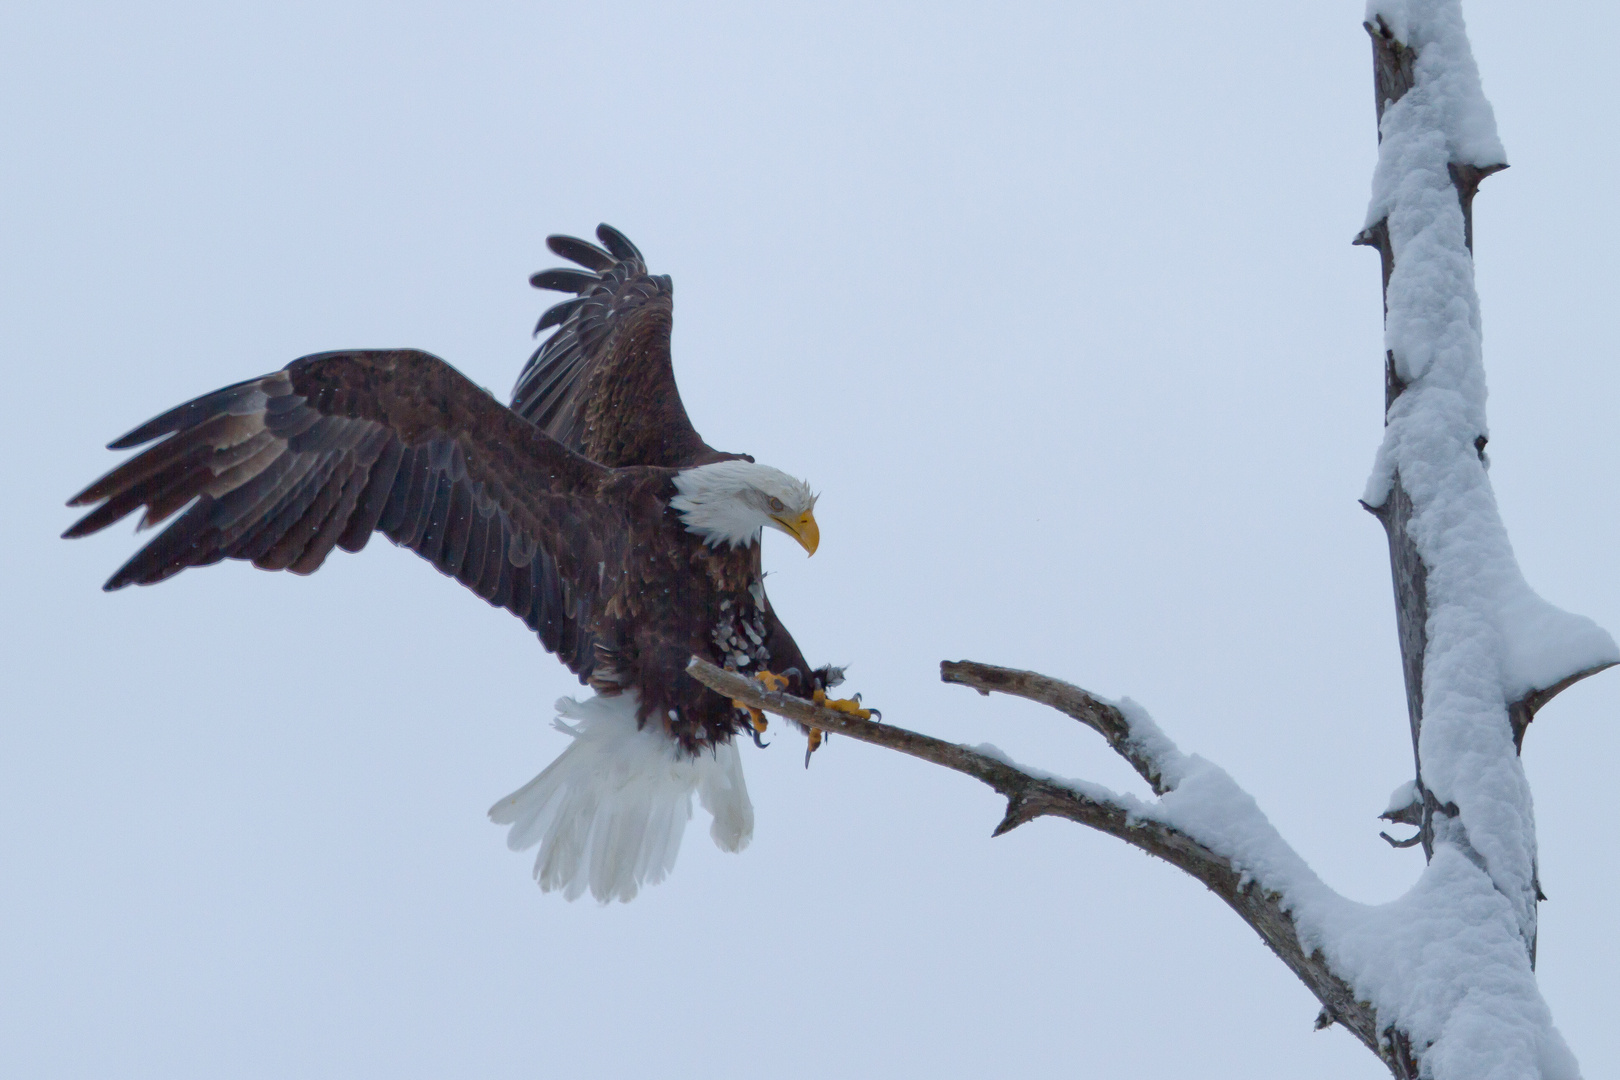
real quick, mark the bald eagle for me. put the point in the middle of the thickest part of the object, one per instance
(591, 509)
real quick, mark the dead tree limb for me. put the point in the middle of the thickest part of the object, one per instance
(1030, 795)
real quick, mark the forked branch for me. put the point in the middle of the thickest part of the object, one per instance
(1031, 795)
(1103, 718)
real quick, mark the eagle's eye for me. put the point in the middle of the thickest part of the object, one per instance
(776, 504)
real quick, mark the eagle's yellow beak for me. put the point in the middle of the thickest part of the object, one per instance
(803, 529)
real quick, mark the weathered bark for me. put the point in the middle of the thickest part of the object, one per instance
(1393, 76)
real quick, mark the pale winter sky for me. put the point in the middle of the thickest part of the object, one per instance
(1057, 308)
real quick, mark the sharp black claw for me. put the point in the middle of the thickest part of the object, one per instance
(807, 753)
(793, 671)
(878, 713)
(757, 742)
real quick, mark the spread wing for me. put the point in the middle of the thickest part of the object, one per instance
(280, 470)
(603, 384)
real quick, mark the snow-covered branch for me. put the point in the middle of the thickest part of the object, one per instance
(1177, 827)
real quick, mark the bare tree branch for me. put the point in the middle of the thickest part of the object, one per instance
(1103, 718)
(1005, 778)
(1524, 710)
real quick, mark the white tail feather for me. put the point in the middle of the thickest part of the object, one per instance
(609, 813)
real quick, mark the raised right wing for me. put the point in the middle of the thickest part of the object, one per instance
(603, 383)
(280, 470)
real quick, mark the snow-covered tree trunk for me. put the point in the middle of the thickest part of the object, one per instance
(1437, 141)
(1440, 982)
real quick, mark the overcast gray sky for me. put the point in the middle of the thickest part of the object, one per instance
(1055, 305)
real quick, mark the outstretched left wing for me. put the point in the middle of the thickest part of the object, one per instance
(280, 470)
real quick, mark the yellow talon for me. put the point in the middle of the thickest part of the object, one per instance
(755, 717)
(770, 680)
(852, 706)
(813, 745)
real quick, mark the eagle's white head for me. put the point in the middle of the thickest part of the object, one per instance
(729, 502)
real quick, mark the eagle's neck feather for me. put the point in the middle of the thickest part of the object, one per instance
(718, 501)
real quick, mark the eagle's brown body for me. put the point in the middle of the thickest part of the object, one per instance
(556, 509)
